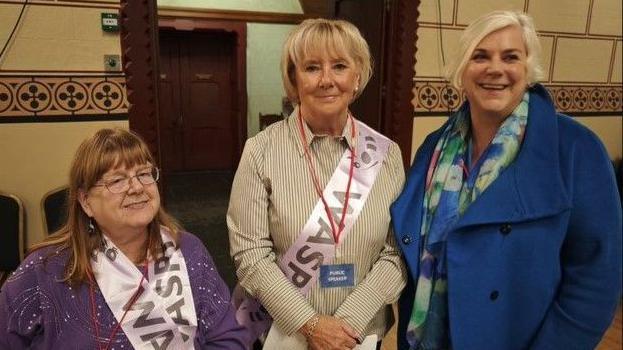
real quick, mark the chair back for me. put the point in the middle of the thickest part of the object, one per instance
(11, 232)
(54, 208)
(267, 119)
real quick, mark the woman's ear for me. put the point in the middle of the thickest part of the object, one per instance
(83, 198)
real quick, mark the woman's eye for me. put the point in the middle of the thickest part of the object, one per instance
(340, 66)
(311, 68)
(116, 180)
(479, 57)
(511, 58)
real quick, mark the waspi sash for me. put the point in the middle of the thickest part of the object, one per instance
(315, 244)
(163, 317)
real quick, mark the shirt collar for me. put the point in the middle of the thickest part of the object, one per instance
(293, 125)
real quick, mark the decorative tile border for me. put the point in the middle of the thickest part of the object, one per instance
(438, 96)
(46, 97)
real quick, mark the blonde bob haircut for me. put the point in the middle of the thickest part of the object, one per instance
(339, 38)
(106, 150)
(486, 25)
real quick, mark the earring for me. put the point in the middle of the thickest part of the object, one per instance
(357, 89)
(91, 226)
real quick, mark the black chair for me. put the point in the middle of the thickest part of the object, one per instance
(267, 119)
(54, 208)
(12, 231)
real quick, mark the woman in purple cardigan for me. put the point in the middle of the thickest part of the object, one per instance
(120, 274)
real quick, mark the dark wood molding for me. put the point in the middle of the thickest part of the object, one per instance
(230, 15)
(139, 46)
(400, 70)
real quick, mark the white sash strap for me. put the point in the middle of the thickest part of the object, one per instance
(164, 315)
(315, 245)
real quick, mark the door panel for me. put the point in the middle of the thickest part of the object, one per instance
(169, 99)
(202, 120)
(370, 18)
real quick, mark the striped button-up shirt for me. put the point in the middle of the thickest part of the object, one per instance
(272, 197)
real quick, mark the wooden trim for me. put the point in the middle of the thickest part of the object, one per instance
(400, 68)
(230, 15)
(139, 46)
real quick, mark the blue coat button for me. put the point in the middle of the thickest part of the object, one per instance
(505, 229)
(406, 239)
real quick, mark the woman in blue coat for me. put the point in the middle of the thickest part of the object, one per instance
(509, 222)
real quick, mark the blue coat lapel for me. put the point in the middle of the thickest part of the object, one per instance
(531, 187)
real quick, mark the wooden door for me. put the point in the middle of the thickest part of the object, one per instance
(389, 26)
(370, 18)
(197, 127)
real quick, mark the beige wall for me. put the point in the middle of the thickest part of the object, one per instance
(57, 45)
(264, 87)
(36, 158)
(581, 56)
(56, 38)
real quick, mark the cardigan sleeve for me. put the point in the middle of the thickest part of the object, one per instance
(590, 284)
(216, 315)
(21, 318)
(387, 277)
(252, 246)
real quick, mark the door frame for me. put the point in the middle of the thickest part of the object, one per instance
(239, 85)
(139, 44)
(140, 26)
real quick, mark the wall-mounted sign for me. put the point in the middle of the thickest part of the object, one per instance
(110, 22)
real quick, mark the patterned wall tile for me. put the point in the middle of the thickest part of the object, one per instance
(439, 97)
(49, 96)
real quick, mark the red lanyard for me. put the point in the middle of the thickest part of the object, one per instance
(336, 232)
(128, 306)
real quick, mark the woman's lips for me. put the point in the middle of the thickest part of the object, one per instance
(136, 205)
(495, 87)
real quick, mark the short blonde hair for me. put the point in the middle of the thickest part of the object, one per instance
(105, 150)
(339, 37)
(486, 25)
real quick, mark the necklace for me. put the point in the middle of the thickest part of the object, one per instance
(336, 232)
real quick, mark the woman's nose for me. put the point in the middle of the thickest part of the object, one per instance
(326, 79)
(495, 66)
(135, 185)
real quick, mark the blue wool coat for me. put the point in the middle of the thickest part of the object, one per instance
(535, 261)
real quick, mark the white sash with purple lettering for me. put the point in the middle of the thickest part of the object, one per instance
(164, 316)
(315, 245)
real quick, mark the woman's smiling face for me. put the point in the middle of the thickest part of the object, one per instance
(326, 84)
(129, 211)
(495, 77)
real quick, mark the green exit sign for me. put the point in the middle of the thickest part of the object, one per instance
(110, 22)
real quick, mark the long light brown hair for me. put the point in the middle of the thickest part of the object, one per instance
(106, 150)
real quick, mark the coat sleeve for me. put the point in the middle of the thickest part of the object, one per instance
(252, 247)
(590, 286)
(386, 279)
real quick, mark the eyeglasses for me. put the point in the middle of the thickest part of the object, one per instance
(121, 184)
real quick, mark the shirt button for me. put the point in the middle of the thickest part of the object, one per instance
(406, 239)
(505, 229)
(494, 295)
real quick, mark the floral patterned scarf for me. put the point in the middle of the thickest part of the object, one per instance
(450, 189)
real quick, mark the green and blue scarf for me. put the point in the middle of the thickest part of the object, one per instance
(450, 190)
